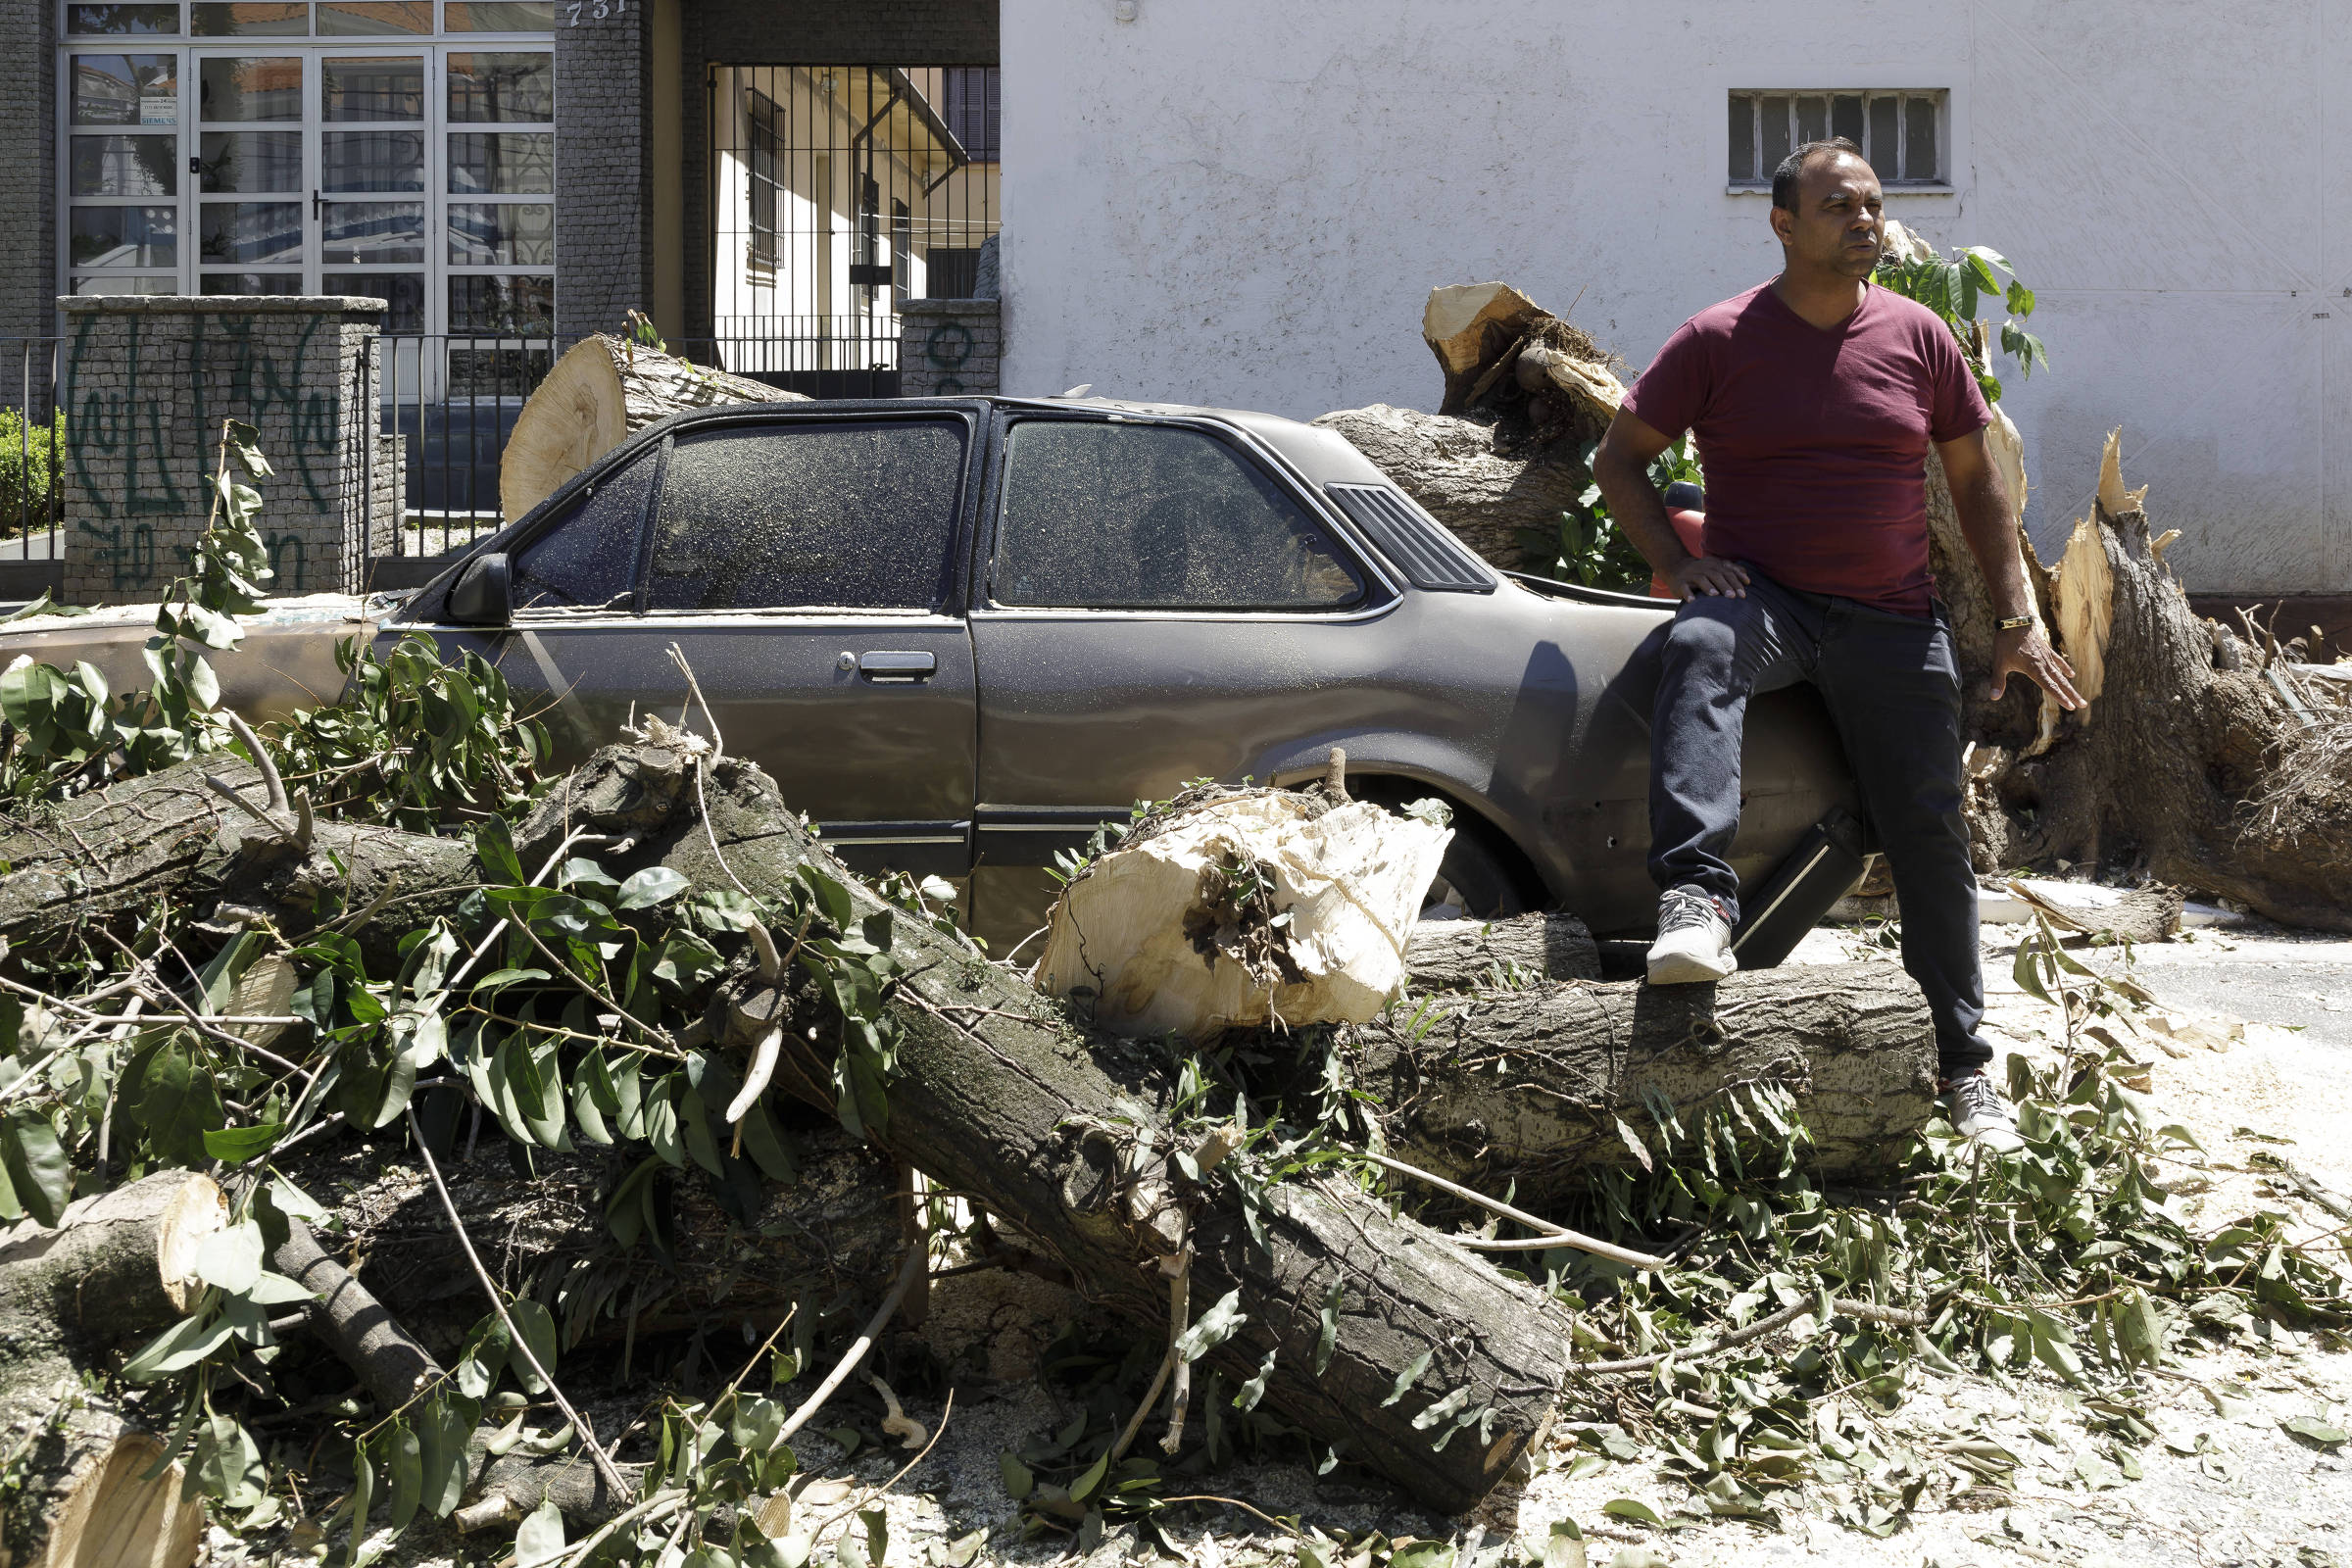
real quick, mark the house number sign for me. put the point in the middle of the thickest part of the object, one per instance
(578, 11)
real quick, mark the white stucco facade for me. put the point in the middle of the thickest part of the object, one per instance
(1241, 203)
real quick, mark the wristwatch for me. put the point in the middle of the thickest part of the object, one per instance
(2013, 623)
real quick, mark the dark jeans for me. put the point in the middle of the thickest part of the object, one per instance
(1893, 689)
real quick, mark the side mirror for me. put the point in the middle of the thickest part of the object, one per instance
(482, 596)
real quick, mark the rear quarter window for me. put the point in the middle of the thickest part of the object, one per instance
(588, 559)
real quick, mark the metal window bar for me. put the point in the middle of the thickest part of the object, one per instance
(32, 452)
(837, 191)
(1900, 134)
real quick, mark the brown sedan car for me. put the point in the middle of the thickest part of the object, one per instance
(963, 632)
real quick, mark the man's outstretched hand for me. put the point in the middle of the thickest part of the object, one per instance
(1708, 575)
(2026, 652)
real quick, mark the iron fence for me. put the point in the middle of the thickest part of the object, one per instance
(31, 450)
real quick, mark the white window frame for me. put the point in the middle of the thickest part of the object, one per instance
(1949, 126)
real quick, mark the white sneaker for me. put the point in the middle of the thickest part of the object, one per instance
(1694, 940)
(1980, 1114)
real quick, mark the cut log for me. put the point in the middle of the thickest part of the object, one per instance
(1491, 498)
(1467, 954)
(1236, 909)
(1526, 1088)
(1468, 326)
(601, 390)
(996, 1097)
(117, 1268)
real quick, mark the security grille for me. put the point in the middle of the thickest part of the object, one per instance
(838, 191)
(1901, 133)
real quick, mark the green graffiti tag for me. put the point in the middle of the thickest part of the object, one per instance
(130, 423)
(290, 557)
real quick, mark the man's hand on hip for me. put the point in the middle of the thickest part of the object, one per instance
(2024, 650)
(1708, 575)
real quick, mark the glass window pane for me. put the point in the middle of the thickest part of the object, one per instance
(589, 559)
(1775, 143)
(1743, 139)
(365, 17)
(123, 237)
(1812, 119)
(214, 18)
(499, 16)
(371, 160)
(1846, 117)
(502, 162)
(111, 283)
(125, 165)
(1884, 137)
(522, 305)
(501, 234)
(125, 89)
(1140, 516)
(501, 86)
(252, 283)
(250, 161)
(786, 516)
(372, 234)
(252, 231)
(119, 21)
(402, 292)
(250, 87)
(371, 87)
(1919, 139)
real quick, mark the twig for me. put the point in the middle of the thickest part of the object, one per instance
(694, 687)
(1561, 1235)
(273, 786)
(2314, 1191)
(917, 1259)
(658, 1506)
(1180, 1307)
(1869, 1311)
(1180, 1284)
(579, 1423)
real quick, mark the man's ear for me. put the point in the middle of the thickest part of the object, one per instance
(1783, 224)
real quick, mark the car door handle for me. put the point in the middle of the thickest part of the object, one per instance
(881, 665)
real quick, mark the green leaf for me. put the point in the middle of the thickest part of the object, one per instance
(1565, 1546)
(1091, 1478)
(37, 1168)
(1212, 1328)
(235, 1145)
(656, 884)
(765, 1145)
(1019, 1481)
(407, 1458)
(694, 1123)
(2326, 1434)
(1328, 1340)
(227, 1464)
(1407, 1377)
(1423, 1554)
(877, 1535)
(231, 1258)
(363, 1496)
(494, 847)
(538, 1331)
(444, 1427)
(540, 1539)
(1633, 1508)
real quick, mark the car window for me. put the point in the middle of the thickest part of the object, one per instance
(792, 514)
(1154, 517)
(589, 559)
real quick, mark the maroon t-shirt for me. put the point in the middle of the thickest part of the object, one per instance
(1815, 442)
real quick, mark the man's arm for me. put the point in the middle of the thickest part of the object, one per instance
(1621, 468)
(1986, 519)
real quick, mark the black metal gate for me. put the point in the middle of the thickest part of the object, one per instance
(837, 191)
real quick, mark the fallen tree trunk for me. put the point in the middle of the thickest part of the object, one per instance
(117, 1269)
(996, 1097)
(1466, 954)
(170, 835)
(1528, 1088)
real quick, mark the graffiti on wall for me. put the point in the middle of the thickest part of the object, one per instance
(945, 350)
(142, 415)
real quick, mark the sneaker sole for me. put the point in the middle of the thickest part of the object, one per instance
(1688, 970)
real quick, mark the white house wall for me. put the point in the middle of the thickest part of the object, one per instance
(1227, 202)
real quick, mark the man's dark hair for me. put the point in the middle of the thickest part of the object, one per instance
(1793, 168)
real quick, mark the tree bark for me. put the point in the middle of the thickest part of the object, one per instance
(1466, 473)
(1465, 954)
(1526, 1088)
(117, 1269)
(997, 1097)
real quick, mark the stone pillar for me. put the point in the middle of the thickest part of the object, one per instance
(948, 347)
(604, 197)
(146, 382)
(28, 279)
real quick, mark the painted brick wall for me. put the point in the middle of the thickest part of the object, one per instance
(147, 380)
(801, 32)
(948, 347)
(27, 170)
(604, 196)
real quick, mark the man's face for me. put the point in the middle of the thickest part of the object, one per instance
(1839, 223)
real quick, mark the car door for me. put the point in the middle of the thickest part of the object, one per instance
(1161, 606)
(806, 569)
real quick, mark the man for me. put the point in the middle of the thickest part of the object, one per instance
(1815, 398)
